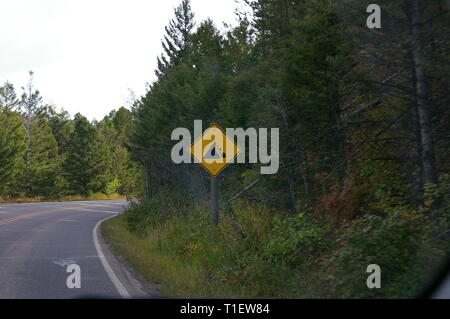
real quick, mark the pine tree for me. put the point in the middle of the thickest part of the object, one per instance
(12, 150)
(100, 161)
(31, 101)
(177, 39)
(405, 86)
(88, 164)
(44, 162)
(8, 97)
(117, 128)
(77, 168)
(61, 125)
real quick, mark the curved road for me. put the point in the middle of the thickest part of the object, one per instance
(38, 241)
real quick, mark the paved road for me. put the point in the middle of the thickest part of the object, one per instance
(38, 241)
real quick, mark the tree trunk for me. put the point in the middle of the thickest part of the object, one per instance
(423, 107)
(292, 191)
(418, 174)
(148, 188)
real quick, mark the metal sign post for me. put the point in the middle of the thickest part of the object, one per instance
(214, 150)
(215, 200)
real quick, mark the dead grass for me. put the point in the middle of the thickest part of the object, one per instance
(68, 198)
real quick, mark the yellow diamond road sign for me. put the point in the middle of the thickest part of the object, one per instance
(214, 150)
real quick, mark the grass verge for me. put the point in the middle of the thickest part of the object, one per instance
(170, 278)
(184, 255)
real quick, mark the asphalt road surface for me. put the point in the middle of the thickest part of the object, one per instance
(40, 241)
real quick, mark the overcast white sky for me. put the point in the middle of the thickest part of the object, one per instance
(87, 54)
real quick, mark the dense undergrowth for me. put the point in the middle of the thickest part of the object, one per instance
(257, 251)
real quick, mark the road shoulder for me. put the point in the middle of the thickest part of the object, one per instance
(134, 283)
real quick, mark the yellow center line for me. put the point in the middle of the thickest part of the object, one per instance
(13, 219)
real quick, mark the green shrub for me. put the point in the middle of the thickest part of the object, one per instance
(391, 242)
(155, 212)
(297, 239)
(112, 187)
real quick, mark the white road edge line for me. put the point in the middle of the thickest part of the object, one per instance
(119, 286)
